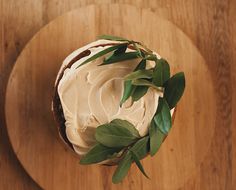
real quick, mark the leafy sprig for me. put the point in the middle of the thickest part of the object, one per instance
(120, 139)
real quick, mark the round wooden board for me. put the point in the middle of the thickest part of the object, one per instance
(29, 94)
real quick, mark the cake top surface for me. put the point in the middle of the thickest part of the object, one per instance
(90, 96)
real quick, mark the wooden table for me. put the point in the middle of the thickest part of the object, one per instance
(209, 24)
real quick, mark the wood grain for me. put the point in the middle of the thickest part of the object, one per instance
(30, 88)
(204, 21)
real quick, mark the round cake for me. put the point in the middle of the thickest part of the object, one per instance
(108, 90)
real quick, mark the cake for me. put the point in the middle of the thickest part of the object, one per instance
(110, 96)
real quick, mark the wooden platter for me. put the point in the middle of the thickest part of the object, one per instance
(30, 123)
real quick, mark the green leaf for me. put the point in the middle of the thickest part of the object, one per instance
(174, 89)
(156, 138)
(122, 169)
(138, 163)
(110, 37)
(112, 135)
(161, 72)
(141, 147)
(163, 117)
(127, 125)
(139, 92)
(147, 74)
(97, 154)
(143, 82)
(101, 53)
(121, 50)
(121, 57)
(128, 88)
(115, 155)
(141, 65)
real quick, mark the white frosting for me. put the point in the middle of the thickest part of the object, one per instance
(90, 96)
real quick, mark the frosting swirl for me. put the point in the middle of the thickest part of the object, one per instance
(90, 96)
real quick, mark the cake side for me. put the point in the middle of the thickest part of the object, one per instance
(56, 103)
